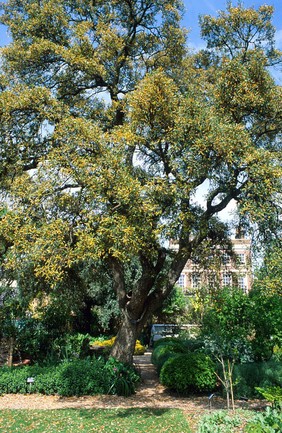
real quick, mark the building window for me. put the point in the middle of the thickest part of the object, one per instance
(181, 281)
(225, 259)
(242, 283)
(196, 280)
(241, 258)
(227, 279)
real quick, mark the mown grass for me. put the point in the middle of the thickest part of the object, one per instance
(96, 420)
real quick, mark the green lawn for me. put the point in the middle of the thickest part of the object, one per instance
(99, 420)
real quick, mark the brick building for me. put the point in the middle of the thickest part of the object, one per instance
(232, 270)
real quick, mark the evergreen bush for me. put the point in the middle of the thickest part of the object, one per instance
(191, 372)
(165, 341)
(256, 374)
(83, 377)
(165, 351)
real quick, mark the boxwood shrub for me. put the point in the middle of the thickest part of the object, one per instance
(166, 340)
(191, 372)
(165, 351)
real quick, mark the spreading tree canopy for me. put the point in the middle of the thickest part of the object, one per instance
(109, 125)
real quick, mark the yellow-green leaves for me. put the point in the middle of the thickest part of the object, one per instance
(238, 30)
(154, 105)
(108, 128)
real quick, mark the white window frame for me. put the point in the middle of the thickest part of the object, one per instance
(226, 259)
(226, 279)
(195, 280)
(181, 281)
(241, 258)
(242, 283)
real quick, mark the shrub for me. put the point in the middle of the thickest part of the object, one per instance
(190, 344)
(272, 394)
(14, 380)
(47, 380)
(277, 353)
(257, 374)
(83, 377)
(165, 351)
(77, 377)
(123, 377)
(139, 348)
(191, 372)
(71, 346)
(165, 341)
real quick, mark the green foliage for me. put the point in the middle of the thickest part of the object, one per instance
(166, 350)
(71, 346)
(123, 378)
(175, 308)
(188, 373)
(88, 199)
(272, 393)
(269, 421)
(45, 343)
(14, 380)
(219, 422)
(166, 340)
(76, 377)
(277, 353)
(256, 374)
(83, 377)
(227, 325)
(266, 319)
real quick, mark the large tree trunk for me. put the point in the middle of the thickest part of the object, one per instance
(123, 348)
(138, 306)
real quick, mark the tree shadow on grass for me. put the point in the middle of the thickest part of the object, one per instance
(124, 412)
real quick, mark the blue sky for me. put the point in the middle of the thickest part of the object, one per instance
(210, 7)
(196, 7)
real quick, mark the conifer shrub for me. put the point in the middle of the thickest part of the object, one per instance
(190, 372)
(256, 374)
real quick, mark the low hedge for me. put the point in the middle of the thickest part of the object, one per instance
(191, 372)
(77, 377)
